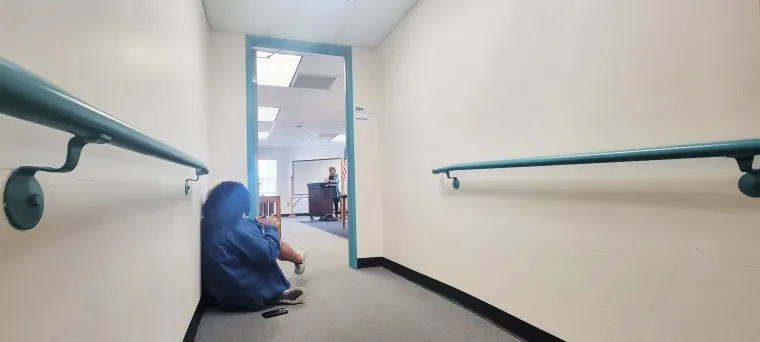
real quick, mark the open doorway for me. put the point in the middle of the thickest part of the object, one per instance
(301, 128)
(300, 134)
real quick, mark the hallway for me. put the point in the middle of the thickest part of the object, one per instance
(349, 305)
(580, 171)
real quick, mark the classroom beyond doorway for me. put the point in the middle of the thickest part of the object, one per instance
(251, 44)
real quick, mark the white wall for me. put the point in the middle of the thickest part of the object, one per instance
(227, 107)
(658, 251)
(285, 158)
(369, 207)
(116, 256)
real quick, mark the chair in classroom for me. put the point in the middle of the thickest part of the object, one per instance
(270, 206)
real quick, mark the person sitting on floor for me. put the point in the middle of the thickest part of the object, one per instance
(239, 268)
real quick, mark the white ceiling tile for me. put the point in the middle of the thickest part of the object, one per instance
(316, 111)
(355, 23)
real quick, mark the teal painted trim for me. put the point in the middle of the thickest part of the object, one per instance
(731, 149)
(352, 246)
(304, 47)
(28, 97)
(324, 49)
(251, 127)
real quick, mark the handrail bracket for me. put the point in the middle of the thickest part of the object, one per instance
(749, 183)
(187, 184)
(454, 180)
(23, 199)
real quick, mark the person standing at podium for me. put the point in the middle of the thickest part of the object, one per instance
(334, 180)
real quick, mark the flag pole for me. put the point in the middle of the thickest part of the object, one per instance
(343, 164)
(343, 183)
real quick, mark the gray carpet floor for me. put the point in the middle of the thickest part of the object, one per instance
(332, 227)
(343, 304)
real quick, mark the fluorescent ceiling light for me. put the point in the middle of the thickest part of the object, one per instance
(263, 135)
(276, 69)
(339, 138)
(268, 113)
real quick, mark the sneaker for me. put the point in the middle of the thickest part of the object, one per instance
(292, 296)
(300, 268)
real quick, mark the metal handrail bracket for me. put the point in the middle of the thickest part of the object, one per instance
(28, 97)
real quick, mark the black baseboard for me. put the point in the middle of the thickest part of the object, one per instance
(370, 262)
(195, 322)
(512, 324)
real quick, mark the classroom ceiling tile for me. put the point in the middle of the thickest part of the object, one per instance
(304, 116)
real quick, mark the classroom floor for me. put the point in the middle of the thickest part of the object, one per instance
(332, 227)
(350, 305)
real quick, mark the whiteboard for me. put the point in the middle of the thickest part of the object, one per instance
(312, 171)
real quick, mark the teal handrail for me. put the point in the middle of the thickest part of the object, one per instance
(28, 97)
(743, 151)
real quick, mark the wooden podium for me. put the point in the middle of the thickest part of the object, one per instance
(320, 199)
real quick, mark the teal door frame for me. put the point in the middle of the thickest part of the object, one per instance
(252, 122)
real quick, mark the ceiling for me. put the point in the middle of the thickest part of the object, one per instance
(320, 113)
(363, 23)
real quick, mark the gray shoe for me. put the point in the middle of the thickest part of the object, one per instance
(292, 296)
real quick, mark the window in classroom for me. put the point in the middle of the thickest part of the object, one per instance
(268, 177)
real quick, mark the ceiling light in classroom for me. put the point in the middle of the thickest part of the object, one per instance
(276, 69)
(268, 113)
(339, 138)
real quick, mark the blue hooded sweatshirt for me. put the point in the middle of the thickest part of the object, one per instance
(238, 260)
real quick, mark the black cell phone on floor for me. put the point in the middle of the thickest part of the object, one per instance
(274, 313)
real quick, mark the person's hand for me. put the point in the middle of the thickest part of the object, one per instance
(273, 221)
(262, 219)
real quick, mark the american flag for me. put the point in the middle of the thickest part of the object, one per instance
(344, 173)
